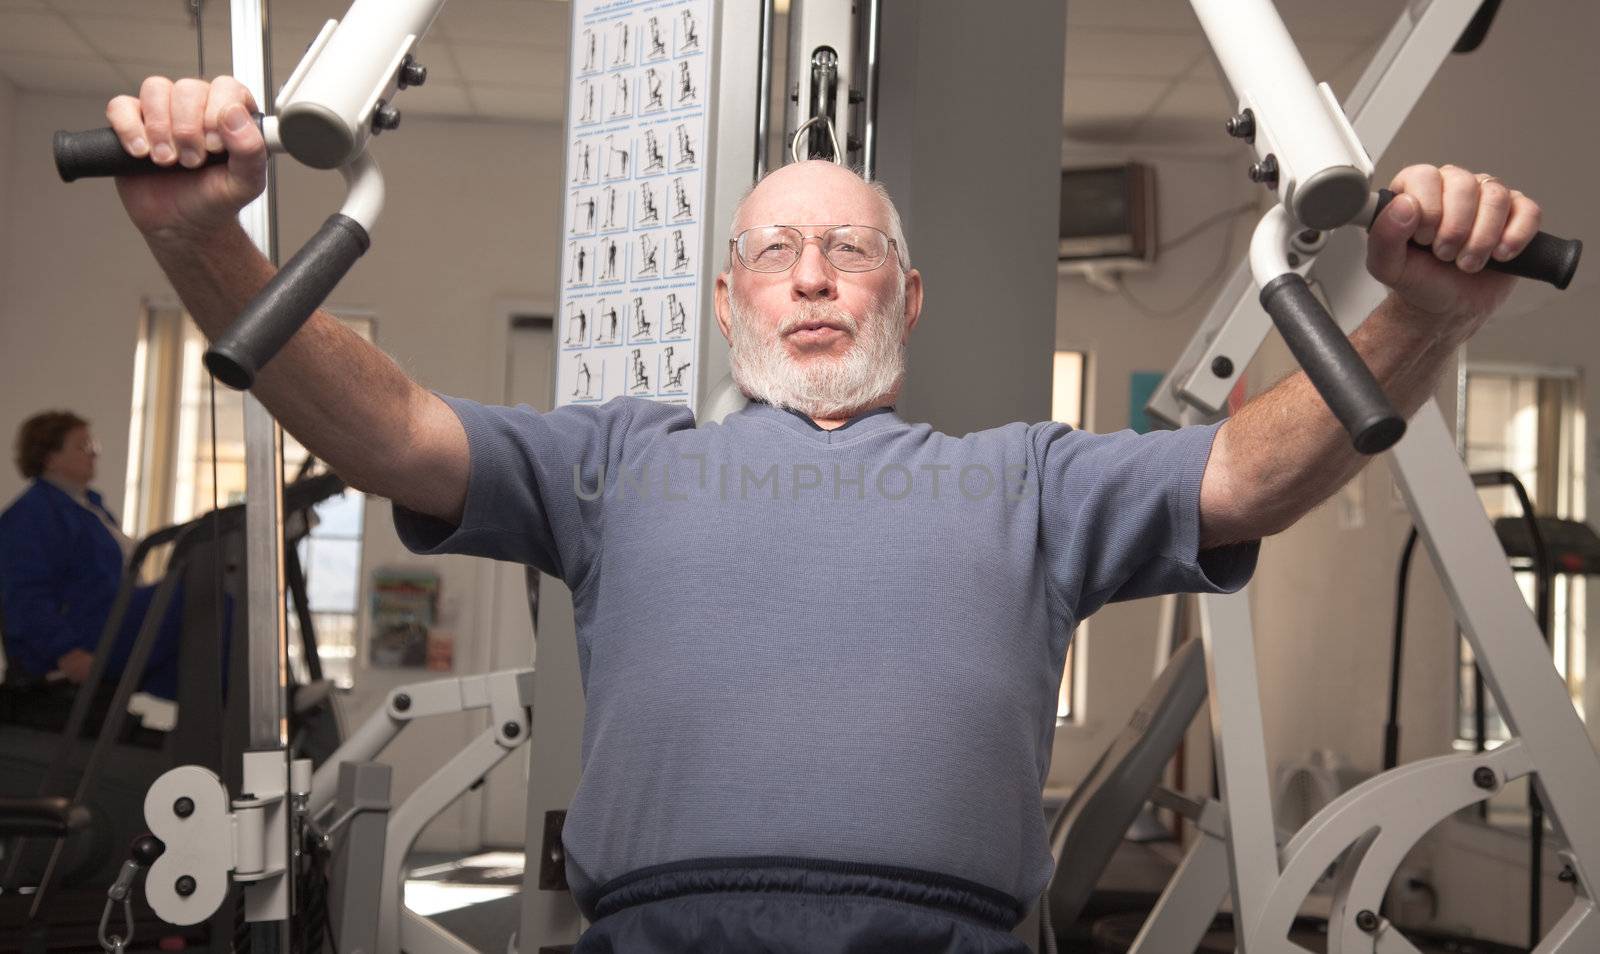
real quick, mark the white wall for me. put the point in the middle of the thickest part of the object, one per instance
(8, 105)
(471, 221)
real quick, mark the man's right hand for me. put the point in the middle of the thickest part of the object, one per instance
(388, 436)
(175, 125)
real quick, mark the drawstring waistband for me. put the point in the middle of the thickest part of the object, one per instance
(803, 876)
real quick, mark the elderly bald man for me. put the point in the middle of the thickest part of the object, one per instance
(820, 644)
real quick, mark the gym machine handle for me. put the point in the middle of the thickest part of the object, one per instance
(1546, 259)
(98, 152)
(1332, 364)
(279, 309)
(288, 300)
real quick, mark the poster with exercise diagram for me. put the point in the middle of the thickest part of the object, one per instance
(630, 275)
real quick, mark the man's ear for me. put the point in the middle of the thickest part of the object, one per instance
(913, 301)
(724, 308)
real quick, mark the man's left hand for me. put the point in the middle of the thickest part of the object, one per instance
(1467, 219)
(75, 665)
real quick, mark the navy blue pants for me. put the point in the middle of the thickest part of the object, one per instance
(787, 906)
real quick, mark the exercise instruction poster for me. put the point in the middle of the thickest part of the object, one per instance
(630, 274)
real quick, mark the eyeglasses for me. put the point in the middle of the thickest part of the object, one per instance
(775, 248)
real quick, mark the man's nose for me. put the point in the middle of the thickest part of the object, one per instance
(813, 277)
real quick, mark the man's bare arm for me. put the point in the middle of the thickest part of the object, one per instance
(344, 399)
(1283, 452)
(341, 397)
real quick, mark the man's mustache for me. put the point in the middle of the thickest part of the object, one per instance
(816, 313)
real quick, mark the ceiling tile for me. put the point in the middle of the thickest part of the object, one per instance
(534, 22)
(435, 98)
(436, 54)
(1346, 78)
(1095, 97)
(130, 38)
(510, 65)
(140, 47)
(1094, 52)
(41, 34)
(1205, 98)
(1166, 15)
(1325, 58)
(1102, 109)
(173, 11)
(509, 102)
(46, 74)
(301, 19)
(1191, 113)
(1307, 20)
(1347, 19)
(289, 45)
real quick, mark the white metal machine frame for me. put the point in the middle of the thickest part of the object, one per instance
(1380, 820)
(211, 838)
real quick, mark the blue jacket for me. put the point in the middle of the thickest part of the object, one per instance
(59, 571)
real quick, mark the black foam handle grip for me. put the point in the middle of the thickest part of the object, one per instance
(287, 301)
(98, 152)
(1331, 362)
(1547, 258)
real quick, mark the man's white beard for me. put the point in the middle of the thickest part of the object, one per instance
(822, 386)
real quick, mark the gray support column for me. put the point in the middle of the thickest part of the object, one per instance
(970, 148)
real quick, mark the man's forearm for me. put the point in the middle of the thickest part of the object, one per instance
(345, 400)
(1284, 452)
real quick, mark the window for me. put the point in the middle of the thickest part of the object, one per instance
(170, 468)
(1528, 421)
(1066, 406)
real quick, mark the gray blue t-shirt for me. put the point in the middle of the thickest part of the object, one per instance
(841, 645)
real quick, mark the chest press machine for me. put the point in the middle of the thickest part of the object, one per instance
(341, 95)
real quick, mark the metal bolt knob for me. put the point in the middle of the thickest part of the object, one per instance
(184, 886)
(1366, 921)
(412, 73)
(1265, 172)
(146, 849)
(183, 807)
(385, 117)
(1483, 776)
(1242, 126)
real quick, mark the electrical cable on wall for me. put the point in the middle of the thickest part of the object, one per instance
(1208, 284)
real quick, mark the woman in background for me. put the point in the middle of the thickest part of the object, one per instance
(62, 556)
